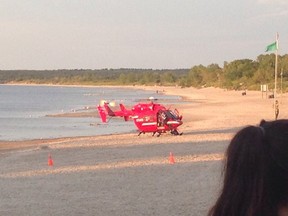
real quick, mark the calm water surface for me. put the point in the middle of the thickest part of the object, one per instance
(23, 110)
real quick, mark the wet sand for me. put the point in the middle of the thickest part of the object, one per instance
(129, 175)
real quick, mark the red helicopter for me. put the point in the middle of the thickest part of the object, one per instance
(148, 117)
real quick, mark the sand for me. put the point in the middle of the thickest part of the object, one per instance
(128, 175)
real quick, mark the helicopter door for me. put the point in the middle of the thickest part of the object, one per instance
(161, 117)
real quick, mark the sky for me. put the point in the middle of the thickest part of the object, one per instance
(146, 34)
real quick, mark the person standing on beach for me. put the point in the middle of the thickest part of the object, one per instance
(276, 109)
(256, 172)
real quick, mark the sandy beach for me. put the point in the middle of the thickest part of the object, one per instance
(127, 175)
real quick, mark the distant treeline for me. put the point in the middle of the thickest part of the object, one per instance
(238, 74)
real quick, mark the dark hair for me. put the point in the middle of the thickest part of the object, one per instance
(255, 172)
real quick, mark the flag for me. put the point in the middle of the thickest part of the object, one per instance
(271, 47)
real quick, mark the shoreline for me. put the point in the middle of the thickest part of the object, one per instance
(11, 145)
(195, 98)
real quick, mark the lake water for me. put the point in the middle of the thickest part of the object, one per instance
(23, 110)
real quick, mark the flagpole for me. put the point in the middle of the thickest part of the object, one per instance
(281, 82)
(275, 84)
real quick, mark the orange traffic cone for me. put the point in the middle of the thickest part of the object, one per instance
(171, 158)
(50, 160)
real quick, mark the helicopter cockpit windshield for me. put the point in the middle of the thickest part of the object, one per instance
(172, 115)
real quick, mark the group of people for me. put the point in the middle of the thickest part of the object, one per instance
(255, 181)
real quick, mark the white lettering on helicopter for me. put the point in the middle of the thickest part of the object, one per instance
(150, 123)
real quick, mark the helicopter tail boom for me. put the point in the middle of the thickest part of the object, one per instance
(126, 113)
(106, 110)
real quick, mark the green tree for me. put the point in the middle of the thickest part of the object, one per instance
(266, 69)
(238, 72)
(195, 75)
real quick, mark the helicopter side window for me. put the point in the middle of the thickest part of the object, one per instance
(163, 115)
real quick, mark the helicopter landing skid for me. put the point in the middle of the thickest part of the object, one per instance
(176, 132)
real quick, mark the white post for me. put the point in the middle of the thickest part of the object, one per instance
(281, 82)
(275, 84)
